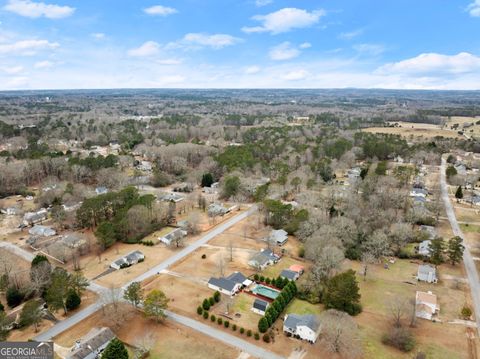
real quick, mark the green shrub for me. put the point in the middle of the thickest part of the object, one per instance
(211, 300)
(256, 277)
(199, 310)
(213, 317)
(219, 321)
(204, 256)
(267, 281)
(400, 338)
(266, 338)
(14, 297)
(242, 330)
(205, 314)
(256, 336)
(73, 300)
(234, 327)
(226, 324)
(206, 304)
(216, 296)
(249, 333)
(262, 278)
(466, 312)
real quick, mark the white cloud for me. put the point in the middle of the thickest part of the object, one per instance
(260, 3)
(98, 35)
(172, 79)
(160, 10)
(13, 70)
(474, 8)
(170, 62)
(369, 49)
(351, 34)
(43, 64)
(250, 70)
(32, 9)
(285, 20)
(27, 47)
(215, 41)
(296, 75)
(17, 82)
(432, 63)
(305, 45)
(284, 51)
(149, 48)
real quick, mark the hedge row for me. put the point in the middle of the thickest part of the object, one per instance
(277, 306)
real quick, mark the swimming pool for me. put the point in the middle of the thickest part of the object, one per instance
(266, 291)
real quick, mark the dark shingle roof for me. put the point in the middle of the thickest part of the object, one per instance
(289, 274)
(223, 283)
(260, 304)
(237, 277)
(309, 320)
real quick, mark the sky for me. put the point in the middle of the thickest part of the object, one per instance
(395, 44)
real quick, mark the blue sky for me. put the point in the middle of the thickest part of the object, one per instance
(418, 44)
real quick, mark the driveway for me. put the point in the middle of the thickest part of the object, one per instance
(17, 251)
(468, 262)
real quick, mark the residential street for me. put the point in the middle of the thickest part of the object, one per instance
(470, 267)
(17, 251)
(253, 350)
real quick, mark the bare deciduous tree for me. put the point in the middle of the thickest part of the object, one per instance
(340, 334)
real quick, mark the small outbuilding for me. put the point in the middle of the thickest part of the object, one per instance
(259, 306)
(427, 273)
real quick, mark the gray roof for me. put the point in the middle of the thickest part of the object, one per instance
(133, 256)
(94, 340)
(279, 235)
(420, 191)
(309, 320)
(223, 283)
(260, 304)
(289, 274)
(264, 257)
(42, 231)
(176, 233)
(237, 277)
(425, 269)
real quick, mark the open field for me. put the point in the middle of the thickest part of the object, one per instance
(382, 287)
(457, 123)
(407, 129)
(170, 340)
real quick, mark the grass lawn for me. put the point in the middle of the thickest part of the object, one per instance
(469, 228)
(298, 306)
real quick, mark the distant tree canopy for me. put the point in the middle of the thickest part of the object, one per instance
(382, 147)
(94, 162)
(337, 148)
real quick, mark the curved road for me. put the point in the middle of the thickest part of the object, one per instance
(468, 262)
(228, 339)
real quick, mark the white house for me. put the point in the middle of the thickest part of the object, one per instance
(426, 305)
(424, 248)
(305, 327)
(427, 273)
(10, 211)
(259, 306)
(263, 259)
(278, 236)
(418, 192)
(101, 190)
(173, 236)
(44, 231)
(31, 218)
(128, 260)
(224, 285)
(171, 197)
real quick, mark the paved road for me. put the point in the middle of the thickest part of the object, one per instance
(65, 324)
(194, 246)
(221, 335)
(83, 314)
(468, 262)
(17, 250)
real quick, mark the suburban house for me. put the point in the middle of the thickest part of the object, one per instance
(424, 248)
(297, 268)
(426, 306)
(173, 236)
(31, 218)
(289, 274)
(92, 344)
(10, 211)
(427, 273)
(224, 285)
(259, 306)
(101, 190)
(171, 197)
(216, 209)
(74, 240)
(278, 236)
(128, 260)
(239, 278)
(263, 259)
(418, 192)
(305, 327)
(44, 231)
(212, 189)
